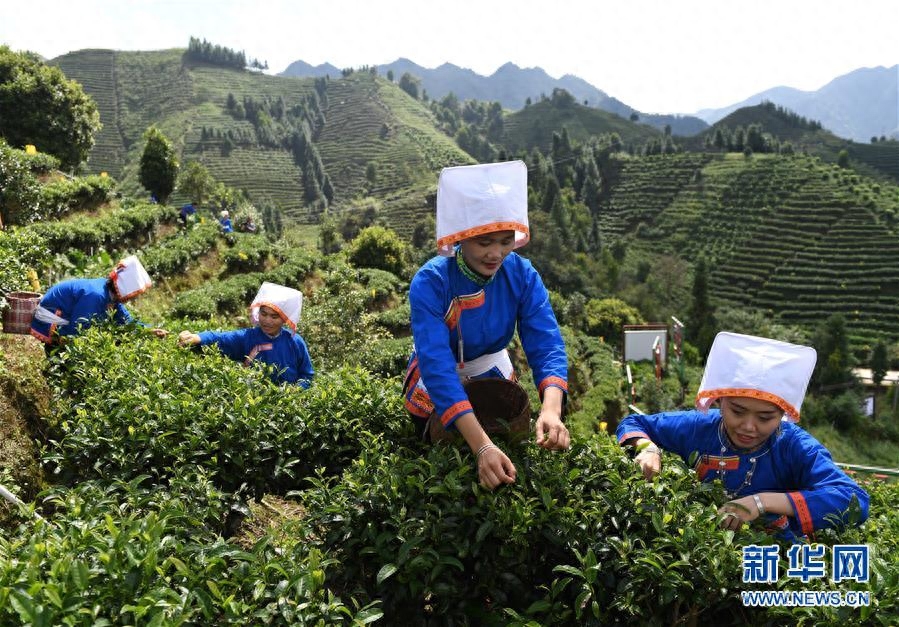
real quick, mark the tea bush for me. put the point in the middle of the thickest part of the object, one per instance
(134, 553)
(129, 404)
(174, 254)
(580, 538)
(247, 253)
(113, 231)
(63, 195)
(21, 250)
(235, 293)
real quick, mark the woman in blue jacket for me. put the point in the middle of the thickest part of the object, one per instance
(74, 305)
(772, 469)
(465, 307)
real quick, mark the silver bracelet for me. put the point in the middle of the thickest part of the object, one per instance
(759, 505)
(484, 447)
(652, 447)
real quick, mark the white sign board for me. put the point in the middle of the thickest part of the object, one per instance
(639, 343)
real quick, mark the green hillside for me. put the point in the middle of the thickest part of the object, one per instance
(877, 160)
(361, 120)
(789, 235)
(534, 125)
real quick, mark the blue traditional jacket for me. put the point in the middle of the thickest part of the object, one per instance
(81, 302)
(287, 352)
(792, 461)
(450, 310)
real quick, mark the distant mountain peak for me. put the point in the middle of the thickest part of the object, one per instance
(513, 86)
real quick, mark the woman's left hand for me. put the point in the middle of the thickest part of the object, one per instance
(737, 512)
(552, 434)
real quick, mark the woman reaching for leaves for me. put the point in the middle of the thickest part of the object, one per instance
(772, 469)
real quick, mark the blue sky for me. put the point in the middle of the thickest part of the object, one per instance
(675, 56)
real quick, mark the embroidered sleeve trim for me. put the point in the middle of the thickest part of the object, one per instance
(553, 381)
(803, 513)
(630, 435)
(452, 414)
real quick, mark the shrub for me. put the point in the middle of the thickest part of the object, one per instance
(206, 412)
(137, 553)
(381, 248)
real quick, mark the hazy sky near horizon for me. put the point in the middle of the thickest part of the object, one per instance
(658, 56)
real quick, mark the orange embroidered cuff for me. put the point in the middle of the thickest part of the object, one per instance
(803, 514)
(43, 338)
(557, 382)
(452, 414)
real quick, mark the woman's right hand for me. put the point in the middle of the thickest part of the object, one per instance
(650, 461)
(495, 468)
(188, 338)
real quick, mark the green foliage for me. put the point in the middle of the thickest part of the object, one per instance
(195, 182)
(174, 254)
(23, 199)
(21, 250)
(337, 324)
(380, 286)
(411, 85)
(879, 362)
(208, 412)
(158, 164)
(19, 188)
(842, 411)
(833, 369)
(207, 52)
(577, 539)
(247, 253)
(41, 107)
(605, 317)
(234, 293)
(380, 248)
(137, 553)
(701, 323)
(60, 196)
(113, 231)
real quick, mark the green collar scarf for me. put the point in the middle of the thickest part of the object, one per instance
(470, 274)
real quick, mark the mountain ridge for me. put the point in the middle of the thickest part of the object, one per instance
(512, 86)
(836, 105)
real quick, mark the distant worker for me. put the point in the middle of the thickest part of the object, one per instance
(268, 342)
(186, 214)
(248, 225)
(225, 222)
(72, 306)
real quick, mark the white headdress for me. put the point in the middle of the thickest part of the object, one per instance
(757, 367)
(287, 301)
(129, 278)
(476, 199)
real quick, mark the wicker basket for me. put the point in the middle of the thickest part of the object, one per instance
(501, 406)
(19, 311)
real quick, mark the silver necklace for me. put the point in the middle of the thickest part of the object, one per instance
(747, 480)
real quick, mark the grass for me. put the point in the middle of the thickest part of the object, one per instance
(856, 448)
